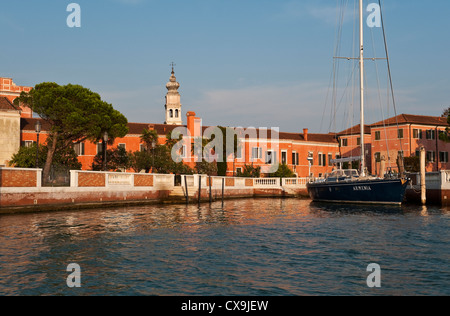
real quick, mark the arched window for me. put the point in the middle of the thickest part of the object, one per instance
(171, 113)
(176, 113)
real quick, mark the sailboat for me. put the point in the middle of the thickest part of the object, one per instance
(357, 186)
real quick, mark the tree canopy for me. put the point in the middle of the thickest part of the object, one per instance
(75, 114)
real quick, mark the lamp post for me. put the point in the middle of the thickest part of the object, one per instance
(37, 128)
(105, 140)
(310, 159)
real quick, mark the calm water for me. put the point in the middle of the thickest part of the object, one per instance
(249, 247)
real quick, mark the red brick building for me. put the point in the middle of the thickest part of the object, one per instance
(11, 91)
(406, 134)
(303, 152)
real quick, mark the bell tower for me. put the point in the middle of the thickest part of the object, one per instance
(173, 103)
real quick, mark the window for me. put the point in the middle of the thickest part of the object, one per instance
(344, 142)
(28, 143)
(431, 156)
(183, 152)
(417, 133)
(238, 170)
(431, 134)
(176, 113)
(295, 158)
(142, 147)
(322, 160)
(171, 113)
(99, 148)
(271, 157)
(124, 146)
(400, 134)
(358, 141)
(443, 156)
(239, 153)
(377, 157)
(377, 135)
(284, 157)
(79, 149)
(256, 153)
(330, 157)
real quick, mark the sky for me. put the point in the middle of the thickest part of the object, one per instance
(259, 63)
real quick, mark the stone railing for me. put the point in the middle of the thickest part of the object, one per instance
(85, 179)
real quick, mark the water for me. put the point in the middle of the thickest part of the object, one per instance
(256, 247)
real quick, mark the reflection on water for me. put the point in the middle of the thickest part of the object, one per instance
(249, 247)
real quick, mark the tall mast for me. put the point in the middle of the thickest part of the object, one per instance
(361, 67)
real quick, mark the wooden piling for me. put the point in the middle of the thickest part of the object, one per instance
(423, 187)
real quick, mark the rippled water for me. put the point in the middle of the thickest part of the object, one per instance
(249, 247)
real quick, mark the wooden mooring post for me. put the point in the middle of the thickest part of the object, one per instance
(423, 186)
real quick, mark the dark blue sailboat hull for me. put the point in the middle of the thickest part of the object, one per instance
(377, 191)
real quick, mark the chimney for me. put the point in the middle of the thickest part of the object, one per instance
(193, 124)
(305, 134)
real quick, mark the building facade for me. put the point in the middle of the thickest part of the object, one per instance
(405, 135)
(306, 154)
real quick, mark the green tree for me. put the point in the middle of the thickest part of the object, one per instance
(140, 160)
(150, 139)
(26, 157)
(249, 172)
(282, 172)
(229, 146)
(117, 159)
(64, 158)
(205, 167)
(75, 114)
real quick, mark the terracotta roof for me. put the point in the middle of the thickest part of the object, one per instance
(413, 119)
(162, 129)
(355, 130)
(6, 105)
(27, 124)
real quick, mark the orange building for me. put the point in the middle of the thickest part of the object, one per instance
(11, 91)
(263, 151)
(406, 134)
(350, 143)
(304, 153)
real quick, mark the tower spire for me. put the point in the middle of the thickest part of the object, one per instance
(173, 104)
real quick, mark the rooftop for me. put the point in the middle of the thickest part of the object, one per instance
(413, 119)
(6, 105)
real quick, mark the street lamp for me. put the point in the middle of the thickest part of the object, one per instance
(105, 140)
(37, 128)
(310, 160)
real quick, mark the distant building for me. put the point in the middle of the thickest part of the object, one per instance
(11, 91)
(9, 130)
(350, 144)
(303, 152)
(406, 134)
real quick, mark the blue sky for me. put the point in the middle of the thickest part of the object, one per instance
(261, 63)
